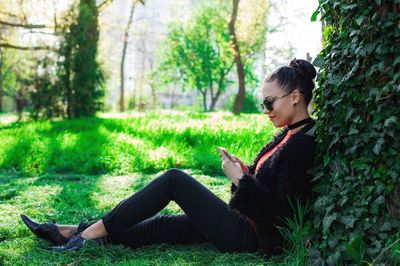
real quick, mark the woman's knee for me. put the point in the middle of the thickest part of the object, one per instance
(175, 174)
(173, 171)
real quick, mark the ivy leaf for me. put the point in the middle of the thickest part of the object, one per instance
(318, 61)
(314, 15)
(326, 160)
(378, 146)
(379, 200)
(328, 220)
(356, 249)
(359, 20)
(353, 131)
(348, 221)
(391, 119)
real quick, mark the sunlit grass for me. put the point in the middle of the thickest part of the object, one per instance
(75, 170)
(147, 143)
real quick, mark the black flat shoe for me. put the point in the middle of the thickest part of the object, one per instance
(76, 242)
(45, 231)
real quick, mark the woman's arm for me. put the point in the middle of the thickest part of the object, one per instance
(265, 204)
(250, 171)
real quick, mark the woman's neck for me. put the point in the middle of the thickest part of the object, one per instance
(297, 129)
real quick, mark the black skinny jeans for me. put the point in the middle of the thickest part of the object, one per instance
(134, 221)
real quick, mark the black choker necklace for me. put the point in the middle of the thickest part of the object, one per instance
(300, 123)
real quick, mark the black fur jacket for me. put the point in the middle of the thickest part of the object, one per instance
(285, 174)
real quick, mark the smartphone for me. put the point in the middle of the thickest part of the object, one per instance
(223, 150)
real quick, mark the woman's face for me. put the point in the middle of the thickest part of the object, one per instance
(283, 111)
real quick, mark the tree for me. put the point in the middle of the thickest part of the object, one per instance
(88, 77)
(198, 54)
(79, 78)
(247, 29)
(239, 100)
(357, 213)
(122, 67)
(124, 49)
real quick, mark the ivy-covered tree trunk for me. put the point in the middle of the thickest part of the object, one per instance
(87, 79)
(357, 105)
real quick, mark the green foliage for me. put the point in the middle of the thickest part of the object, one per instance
(198, 54)
(297, 232)
(45, 97)
(87, 78)
(77, 89)
(250, 105)
(357, 105)
(8, 77)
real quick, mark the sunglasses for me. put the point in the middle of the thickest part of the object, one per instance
(268, 103)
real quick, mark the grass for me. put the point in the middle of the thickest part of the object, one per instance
(141, 143)
(76, 170)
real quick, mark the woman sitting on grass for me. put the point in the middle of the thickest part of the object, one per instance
(260, 191)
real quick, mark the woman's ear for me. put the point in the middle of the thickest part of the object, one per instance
(296, 97)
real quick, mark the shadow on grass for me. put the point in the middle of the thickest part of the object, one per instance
(100, 145)
(74, 203)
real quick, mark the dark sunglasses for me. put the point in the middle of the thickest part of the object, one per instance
(268, 102)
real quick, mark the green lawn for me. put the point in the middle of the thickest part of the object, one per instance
(76, 170)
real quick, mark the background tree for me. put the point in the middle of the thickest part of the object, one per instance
(198, 55)
(79, 75)
(123, 58)
(247, 29)
(201, 53)
(239, 100)
(79, 85)
(88, 77)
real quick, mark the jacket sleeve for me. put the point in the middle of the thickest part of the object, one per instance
(251, 168)
(265, 204)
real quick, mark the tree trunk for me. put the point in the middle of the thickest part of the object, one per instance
(239, 100)
(172, 105)
(69, 92)
(152, 86)
(211, 97)
(1, 81)
(142, 76)
(67, 79)
(122, 67)
(215, 99)
(1, 96)
(204, 93)
(87, 75)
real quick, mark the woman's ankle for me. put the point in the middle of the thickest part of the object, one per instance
(66, 230)
(96, 230)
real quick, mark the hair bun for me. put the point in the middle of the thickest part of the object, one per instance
(304, 67)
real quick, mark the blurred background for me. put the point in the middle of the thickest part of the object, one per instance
(73, 58)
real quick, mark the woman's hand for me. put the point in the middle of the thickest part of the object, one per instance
(242, 165)
(245, 169)
(232, 170)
